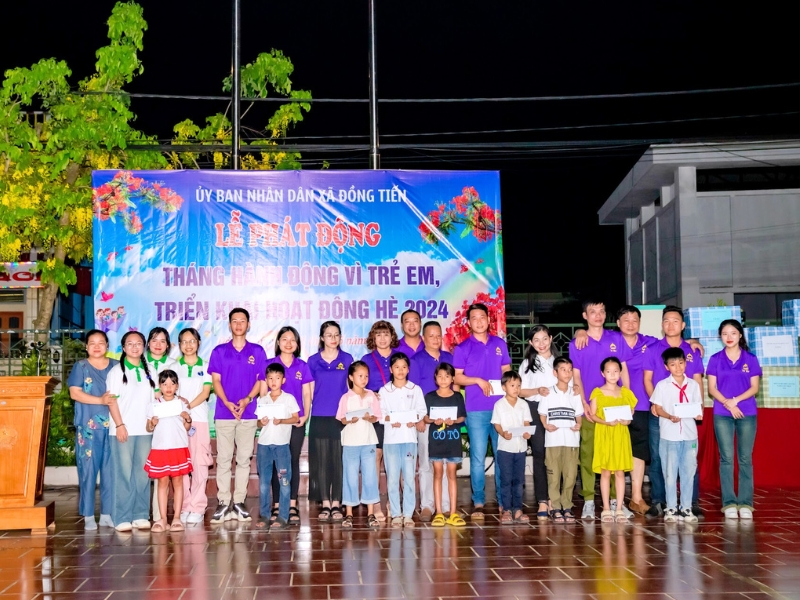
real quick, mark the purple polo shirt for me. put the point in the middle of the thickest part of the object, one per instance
(636, 369)
(238, 371)
(423, 367)
(653, 361)
(589, 359)
(481, 360)
(377, 364)
(297, 374)
(408, 350)
(733, 378)
(330, 382)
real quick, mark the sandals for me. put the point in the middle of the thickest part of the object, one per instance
(408, 522)
(273, 515)
(606, 516)
(558, 516)
(477, 514)
(569, 516)
(439, 520)
(294, 515)
(336, 514)
(278, 524)
(455, 520)
(620, 517)
(176, 526)
(263, 525)
(506, 519)
(347, 522)
(324, 515)
(543, 515)
(380, 516)
(397, 523)
(157, 528)
(521, 517)
(372, 522)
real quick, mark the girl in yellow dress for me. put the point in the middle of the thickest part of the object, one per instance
(612, 441)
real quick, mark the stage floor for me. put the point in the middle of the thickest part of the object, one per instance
(646, 559)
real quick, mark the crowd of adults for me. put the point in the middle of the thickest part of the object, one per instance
(115, 444)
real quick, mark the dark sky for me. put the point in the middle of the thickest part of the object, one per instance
(437, 49)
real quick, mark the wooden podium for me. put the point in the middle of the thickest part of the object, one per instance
(24, 425)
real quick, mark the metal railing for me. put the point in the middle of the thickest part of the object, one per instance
(44, 352)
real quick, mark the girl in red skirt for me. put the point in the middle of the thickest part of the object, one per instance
(169, 457)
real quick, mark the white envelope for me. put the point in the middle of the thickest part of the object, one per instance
(358, 413)
(497, 389)
(520, 431)
(271, 410)
(403, 416)
(443, 412)
(173, 408)
(618, 413)
(686, 410)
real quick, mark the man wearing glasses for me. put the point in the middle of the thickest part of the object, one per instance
(236, 368)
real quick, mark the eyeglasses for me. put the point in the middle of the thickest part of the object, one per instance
(134, 345)
(190, 342)
(332, 336)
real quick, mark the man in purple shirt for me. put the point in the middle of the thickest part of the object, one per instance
(586, 372)
(421, 372)
(410, 343)
(480, 358)
(237, 369)
(673, 325)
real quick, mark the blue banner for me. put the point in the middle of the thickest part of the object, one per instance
(182, 248)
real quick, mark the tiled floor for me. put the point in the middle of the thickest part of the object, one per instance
(587, 560)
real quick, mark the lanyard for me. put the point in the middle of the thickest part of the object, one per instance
(380, 370)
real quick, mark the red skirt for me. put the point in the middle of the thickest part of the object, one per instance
(168, 463)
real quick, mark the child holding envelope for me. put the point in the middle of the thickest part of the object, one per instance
(612, 408)
(678, 402)
(276, 411)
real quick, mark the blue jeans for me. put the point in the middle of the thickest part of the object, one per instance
(280, 456)
(353, 459)
(93, 455)
(656, 472)
(512, 466)
(745, 431)
(678, 458)
(131, 481)
(479, 428)
(401, 458)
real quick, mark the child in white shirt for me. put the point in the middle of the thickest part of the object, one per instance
(359, 442)
(400, 439)
(678, 444)
(509, 412)
(560, 412)
(273, 445)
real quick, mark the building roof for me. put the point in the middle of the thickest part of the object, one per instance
(642, 185)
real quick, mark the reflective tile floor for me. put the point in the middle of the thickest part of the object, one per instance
(642, 559)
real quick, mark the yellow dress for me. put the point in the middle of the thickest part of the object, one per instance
(612, 444)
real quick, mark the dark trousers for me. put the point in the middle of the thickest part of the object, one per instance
(295, 447)
(536, 443)
(512, 474)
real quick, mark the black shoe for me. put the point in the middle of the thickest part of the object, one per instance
(222, 514)
(239, 512)
(656, 510)
(698, 512)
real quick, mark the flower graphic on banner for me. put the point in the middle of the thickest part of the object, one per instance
(458, 330)
(467, 211)
(116, 199)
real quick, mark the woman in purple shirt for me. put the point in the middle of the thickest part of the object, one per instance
(329, 369)
(733, 376)
(300, 384)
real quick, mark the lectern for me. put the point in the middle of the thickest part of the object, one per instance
(24, 424)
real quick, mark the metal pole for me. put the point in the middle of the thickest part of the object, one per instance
(236, 93)
(374, 152)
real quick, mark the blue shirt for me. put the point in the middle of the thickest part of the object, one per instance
(93, 382)
(422, 369)
(379, 373)
(589, 359)
(481, 360)
(297, 375)
(330, 382)
(653, 361)
(636, 369)
(408, 350)
(238, 370)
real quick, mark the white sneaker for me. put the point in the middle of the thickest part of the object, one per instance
(687, 516)
(628, 513)
(194, 518)
(105, 521)
(670, 516)
(141, 524)
(89, 524)
(731, 513)
(184, 516)
(126, 526)
(745, 513)
(588, 510)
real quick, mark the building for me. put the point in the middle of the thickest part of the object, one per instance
(712, 223)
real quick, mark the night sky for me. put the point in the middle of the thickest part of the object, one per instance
(436, 49)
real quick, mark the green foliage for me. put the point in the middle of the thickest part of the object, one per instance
(61, 443)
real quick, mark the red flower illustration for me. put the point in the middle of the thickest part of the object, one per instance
(458, 330)
(116, 199)
(467, 210)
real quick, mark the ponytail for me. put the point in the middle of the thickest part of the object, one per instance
(122, 366)
(147, 372)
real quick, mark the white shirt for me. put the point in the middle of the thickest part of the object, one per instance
(170, 432)
(394, 399)
(134, 398)
(667, 395)
(508, 416)
(544, 377)
(561, 406)
(191, 380)
(362, 432)
(278, 435)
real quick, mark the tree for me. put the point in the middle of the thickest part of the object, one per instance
(45, 174)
